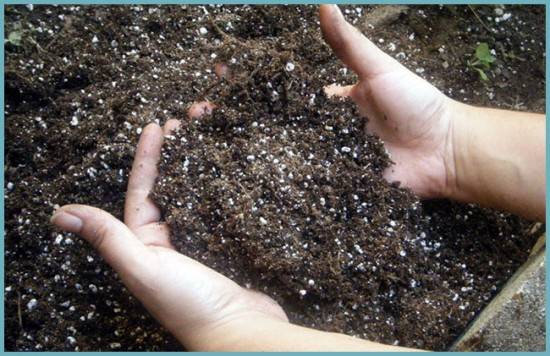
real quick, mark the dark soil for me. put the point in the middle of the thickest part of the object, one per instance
(264, 189)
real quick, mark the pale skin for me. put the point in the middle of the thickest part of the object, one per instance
(441, 148)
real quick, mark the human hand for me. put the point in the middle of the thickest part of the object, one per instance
(192, 301)
(410, 115)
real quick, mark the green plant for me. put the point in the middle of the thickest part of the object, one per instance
(483, 60)
(15, 36)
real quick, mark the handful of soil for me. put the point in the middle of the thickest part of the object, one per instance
(281, 190)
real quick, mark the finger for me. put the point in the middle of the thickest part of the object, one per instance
(354, 49)
(360, 93)
(221, 70)
(170, 126)
(338, 90)
(139, 209)
(114, 241)
(197, 110)
(155, 234)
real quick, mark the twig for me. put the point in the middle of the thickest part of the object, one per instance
(222, 33)
(207, 90)
(479, 19)
(19, 316)
(37, 45)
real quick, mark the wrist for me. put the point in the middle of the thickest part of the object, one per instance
(458, 152)
(237, 325)
(239, 333)
(462, 158)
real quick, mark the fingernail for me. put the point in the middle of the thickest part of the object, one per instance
(66, 221)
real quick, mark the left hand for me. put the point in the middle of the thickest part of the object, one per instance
(191, 300)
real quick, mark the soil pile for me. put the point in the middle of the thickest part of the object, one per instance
(82, 81)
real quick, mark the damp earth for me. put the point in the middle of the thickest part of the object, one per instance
(279, 187)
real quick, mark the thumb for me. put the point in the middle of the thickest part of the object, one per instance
(354, 49)
(114, 240)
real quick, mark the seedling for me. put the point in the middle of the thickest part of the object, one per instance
(483, 60)
(15, 36)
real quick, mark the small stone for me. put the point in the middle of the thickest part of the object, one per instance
(263, 221)
(311, 283)
(203, 31)
(74, 121)
(289, 67)
(115, 345)
(10, 186)
(345, 149)
(95, 39)
(499, 11)
(139, 130)
(250, 158)
(302, 292)
(32, 304)
(71, 340)
(58, 239)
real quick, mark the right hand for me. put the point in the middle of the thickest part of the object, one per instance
(410, 115)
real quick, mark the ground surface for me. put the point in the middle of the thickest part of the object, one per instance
(82, 82)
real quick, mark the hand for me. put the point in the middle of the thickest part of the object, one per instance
(410, 115)
(189, 299)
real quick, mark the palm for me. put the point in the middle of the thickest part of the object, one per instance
(406, 112)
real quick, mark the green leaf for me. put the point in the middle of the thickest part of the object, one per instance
(15, 38)
(483, 54)
(482, 74)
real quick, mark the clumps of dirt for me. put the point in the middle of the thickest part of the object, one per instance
(281, 189)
